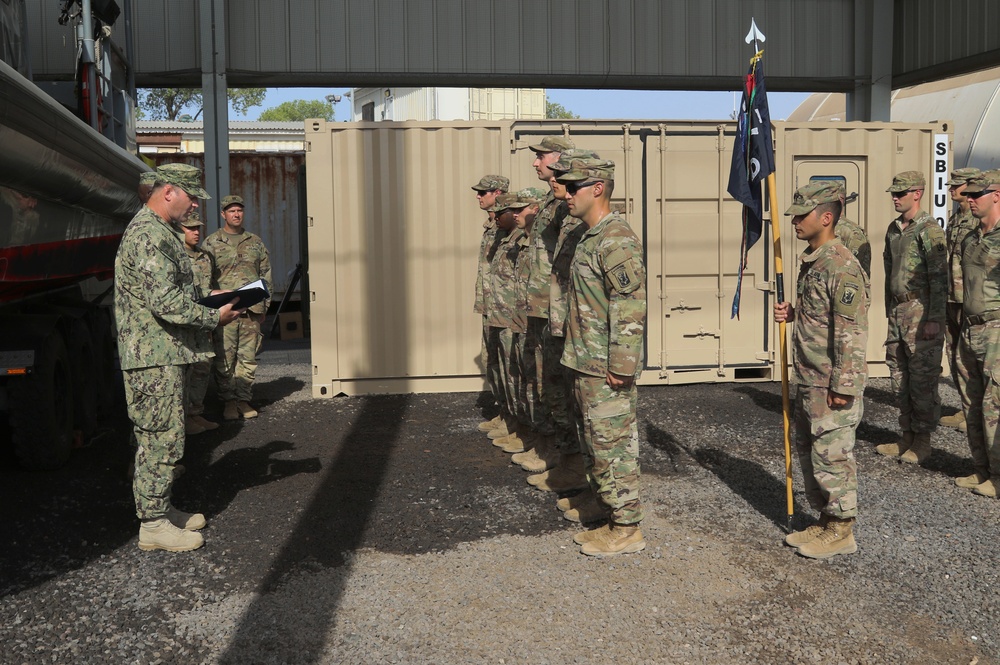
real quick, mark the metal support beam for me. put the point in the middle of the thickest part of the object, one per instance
(215, 107)
(872, 96)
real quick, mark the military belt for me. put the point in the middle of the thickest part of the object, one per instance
(907, 297)
(980, 319)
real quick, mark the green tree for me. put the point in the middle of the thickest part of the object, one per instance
(555, 110)
(169, 103)
(298, 110)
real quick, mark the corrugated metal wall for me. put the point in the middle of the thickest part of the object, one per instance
(269, 185)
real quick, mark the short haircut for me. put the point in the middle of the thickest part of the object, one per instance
(834, 207)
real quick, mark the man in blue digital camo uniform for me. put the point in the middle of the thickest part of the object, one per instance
(828, 346)
(158, 324)
(603, 349)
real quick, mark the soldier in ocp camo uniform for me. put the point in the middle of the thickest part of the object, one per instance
(158, 324)
(961, 223)
(979, 344)
(603, 348)
(199, 372)
(828, 355)
(487, 190)
(240, 258)
(853, 236)
(916, 291)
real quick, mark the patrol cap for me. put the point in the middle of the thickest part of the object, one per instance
(553, 144)
(148, 179)
(527, 197)
(193, 220)
(503, 202)
(567, 156)
(962, 176)
(584, 169)
(185, 176)
(983, 181)
(815, 193)
(490, 182)
(906, 180)
(231, 200)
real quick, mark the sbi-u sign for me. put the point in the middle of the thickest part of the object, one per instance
(940, 197)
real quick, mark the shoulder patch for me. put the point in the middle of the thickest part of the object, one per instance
(848, 298)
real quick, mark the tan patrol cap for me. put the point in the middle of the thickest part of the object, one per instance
(907, 180)
(488, 183)
(231, 200)
(553, 144)
(193, 220)
(584, 169)
(983, 181)
(962, 176)
(815, 193)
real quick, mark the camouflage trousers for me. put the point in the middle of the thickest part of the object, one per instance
(195, 386)
(952, 337)
(236, 349)
(507, 373)
(491, 361)
(606, 422)
(557, 392)
(915, 368)
(824, 442)
(534, 366)
(980, 376)
(155, 398)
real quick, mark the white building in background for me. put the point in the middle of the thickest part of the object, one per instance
(447, 104)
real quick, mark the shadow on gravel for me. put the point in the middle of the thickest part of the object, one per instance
(768, 401)
(886, 397)
(330, 529)
(266, 394)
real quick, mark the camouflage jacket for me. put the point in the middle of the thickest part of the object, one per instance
(981, 271)
(831, 320)
(500, 312)
(856, 240)
(486, 249)
(203, 267)
(240, 259)
(158, 320)
(544, 234)
(607, 301)
(570, 232)
(916, 263)
(960, 224)
(522, 272)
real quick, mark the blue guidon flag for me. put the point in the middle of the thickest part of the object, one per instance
(753, 161)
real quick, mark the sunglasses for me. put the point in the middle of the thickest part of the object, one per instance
(904, 194)
(976, 195)
(574, 187)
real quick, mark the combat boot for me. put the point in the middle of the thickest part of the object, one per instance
(205, 422)
(986, 488)
(513, 439)
(618, 539)
(186, 521)
(576, 500)
(919, 451)
(954, 420)
(489, 425)
(568, 475)
(589, 510)
(837, 538)
(246, 410)
(544, 456)
(800, 538)
(504, 429)
(519, 442)
(192, 427)
(231, 412)
(970, 482)
(896, 449)
(590, 534)
(160, 534)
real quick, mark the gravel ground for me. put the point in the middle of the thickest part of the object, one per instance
(387, 530)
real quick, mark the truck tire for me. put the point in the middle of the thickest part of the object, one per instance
(41, 408)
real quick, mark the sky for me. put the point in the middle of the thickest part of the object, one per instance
(591, 104)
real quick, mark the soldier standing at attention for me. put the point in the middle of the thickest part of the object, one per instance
(916, 290)
(828, 347)
(159, 323)
(196, 381)
(979, 344)
(603, 348)
(240, 258)
(487, 190)
(961, 223)
(853, 236)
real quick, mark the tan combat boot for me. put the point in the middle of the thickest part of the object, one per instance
(205, 422)
(970, 482)
(568, 475)
(837, 538)
(589, 510)
(919, 451)
(489, 425)
(192, 427)
(545, 455)
(896, 449)
(618, 539)
(520, 442)
(986, 488)
(186, 521)
(800, 538)
(231, 412)
(504, 429)
(590, 534)
(162, 535)
(954, 420)
(246, 410)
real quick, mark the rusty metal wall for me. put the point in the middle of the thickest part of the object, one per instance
(269, 185)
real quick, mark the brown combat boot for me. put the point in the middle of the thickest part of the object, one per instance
(589, 510)
(192, 426)
(186, 521)
(837, 538)
(568, 475)
(521, 442)
(590, 534)
(618, 539)
(970, 482)
(161, 534)
(544, 456)
(205, 422)
(954, 420)
(800, 538)
(986, 488)
(490, 425)
(231, 411)
(506, 427)
(246, 410)
(896, 449)
(919, 451)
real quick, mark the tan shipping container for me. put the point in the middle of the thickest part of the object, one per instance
(394, 232)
